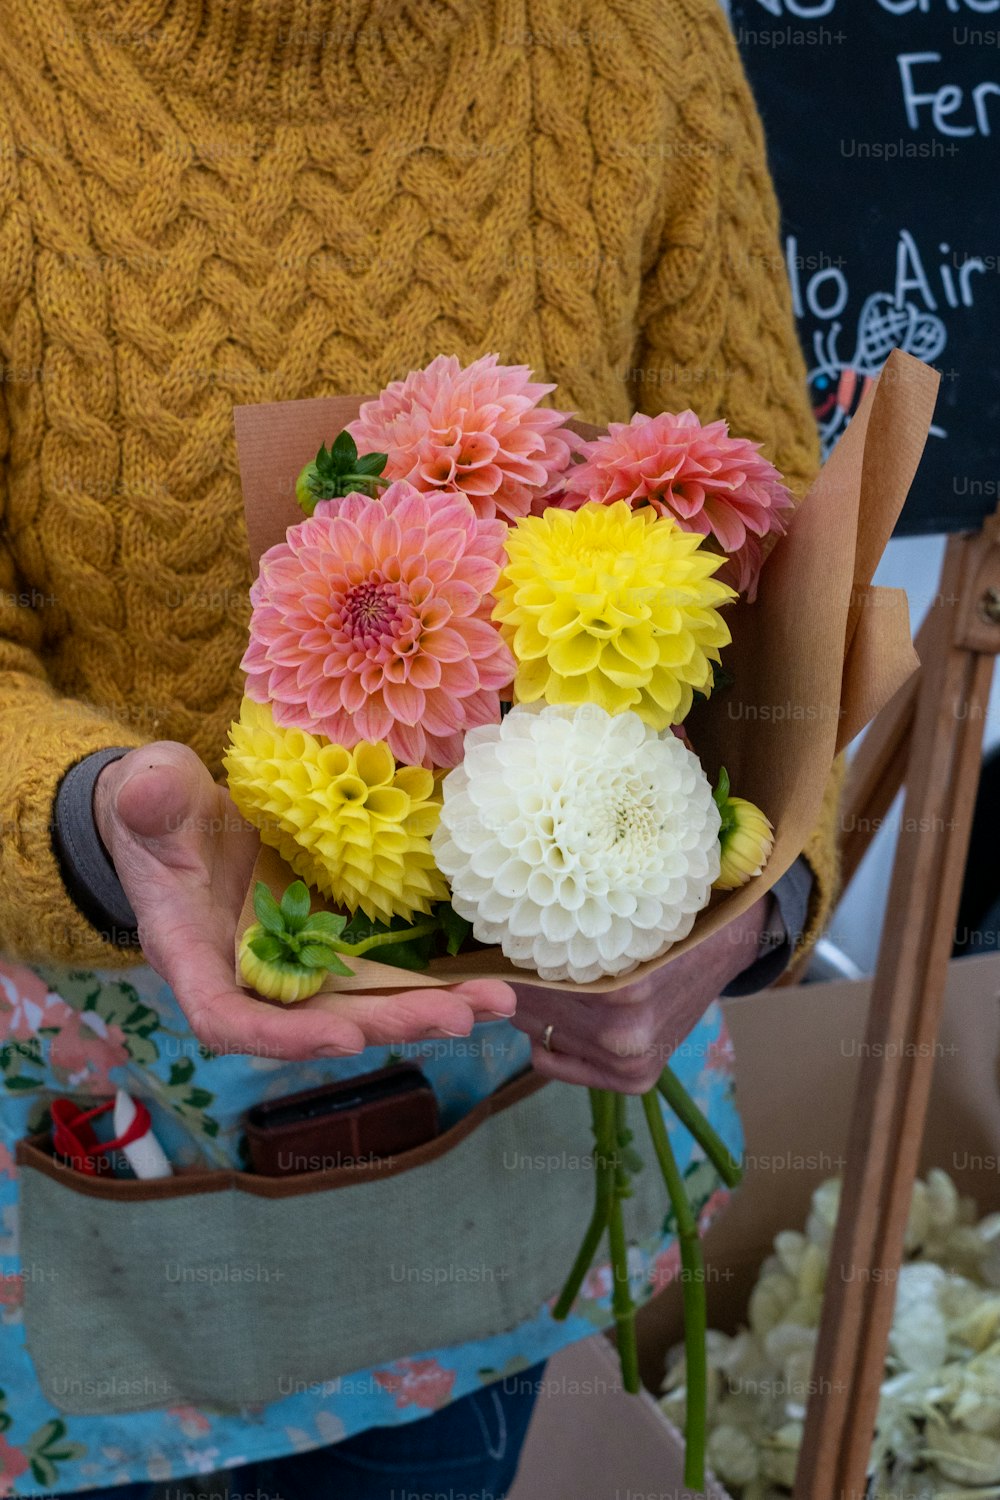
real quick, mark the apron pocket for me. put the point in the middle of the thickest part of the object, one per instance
(223, 1289)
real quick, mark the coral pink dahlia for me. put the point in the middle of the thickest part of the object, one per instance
(371, 621)
(708, 481)
(479, 430)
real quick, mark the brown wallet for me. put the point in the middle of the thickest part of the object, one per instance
(345, 1124)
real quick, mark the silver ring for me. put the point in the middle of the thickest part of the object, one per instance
(547, 1037)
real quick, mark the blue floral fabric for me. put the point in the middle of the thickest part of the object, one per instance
(85, 1034)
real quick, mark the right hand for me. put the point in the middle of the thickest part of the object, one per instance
(185, 856)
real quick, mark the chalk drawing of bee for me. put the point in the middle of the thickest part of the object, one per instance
(837, 384)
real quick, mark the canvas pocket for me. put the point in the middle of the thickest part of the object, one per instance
(224, 1288)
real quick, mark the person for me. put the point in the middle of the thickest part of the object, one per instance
(206, 203)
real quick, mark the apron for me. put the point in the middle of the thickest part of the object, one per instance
(150, 1331)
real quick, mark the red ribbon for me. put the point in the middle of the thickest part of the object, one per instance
(74, 1140)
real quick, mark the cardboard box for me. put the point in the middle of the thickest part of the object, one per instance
(797, 1052)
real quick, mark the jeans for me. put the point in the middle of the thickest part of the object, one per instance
(470, 1448)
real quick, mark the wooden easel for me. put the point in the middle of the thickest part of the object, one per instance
(930, 736)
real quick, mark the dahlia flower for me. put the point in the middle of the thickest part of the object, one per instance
(746, 838)
(347, 821)
(582, 843)
(711, 483)
(479, 430)
(611, 606)
(371, 621)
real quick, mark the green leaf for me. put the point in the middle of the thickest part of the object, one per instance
(50, 1433)
(30, 1050)
(404, 955)
(198, 1099)
(344, 453)
(141, 1050)
(44, 1472)
(455, 928)
(141, 1021)
(266, 947)
(295, 905)
(266, 909)
(361, 927)
(180, 1072)
(371, 463)
(313, 956)
(721, 792)
(317, 956)
(324, 924)
(20, 1082)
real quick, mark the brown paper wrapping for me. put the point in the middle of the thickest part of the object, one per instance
(814, 658)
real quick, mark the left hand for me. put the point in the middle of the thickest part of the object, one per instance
(623, 1041)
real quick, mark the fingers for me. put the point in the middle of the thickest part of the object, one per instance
(491, 999)
(405, 1017)
(414, 1015)
(157, 789)
(227, 1019)
(618, 1047)
(566, 1069)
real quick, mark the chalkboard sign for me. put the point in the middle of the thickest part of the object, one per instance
(883, 126)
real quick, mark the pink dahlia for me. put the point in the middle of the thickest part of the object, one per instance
(371, 621)
(479, 430)
(712, 483)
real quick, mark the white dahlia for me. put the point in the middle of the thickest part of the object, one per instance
(582, 843)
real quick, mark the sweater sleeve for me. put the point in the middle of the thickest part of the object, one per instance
(717, 331)
(43, 734)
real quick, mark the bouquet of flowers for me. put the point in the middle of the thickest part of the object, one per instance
(477, 725)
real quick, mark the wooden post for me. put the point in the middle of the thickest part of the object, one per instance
(897, 1062)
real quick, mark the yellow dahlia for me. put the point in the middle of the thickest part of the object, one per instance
(746, 838)
(611, 606)
(350, 823)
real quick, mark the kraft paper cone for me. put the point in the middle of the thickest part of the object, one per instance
(814, 658)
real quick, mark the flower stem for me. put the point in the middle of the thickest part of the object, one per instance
(383, 940)
(621, 1293)
(693, 1289)
(691, 1117)
(601, 1112)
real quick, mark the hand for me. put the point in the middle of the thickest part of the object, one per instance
(623, 1041)
(184, 856)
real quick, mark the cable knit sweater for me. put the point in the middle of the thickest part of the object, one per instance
(208, 202)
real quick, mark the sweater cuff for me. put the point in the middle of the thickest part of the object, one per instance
(791, 897)
(85, 865)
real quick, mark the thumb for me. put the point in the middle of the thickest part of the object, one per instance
(160, 791)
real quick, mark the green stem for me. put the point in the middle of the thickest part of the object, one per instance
(601, 1112)
(693, 1289)
(383, 940)
(621, 1293)
(691, 1117)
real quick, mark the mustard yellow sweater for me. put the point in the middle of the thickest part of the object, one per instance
(208, 202)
